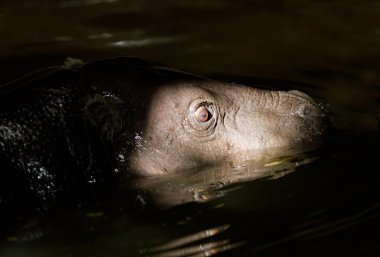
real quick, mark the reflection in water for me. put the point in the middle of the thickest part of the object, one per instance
(191, 238)
(313, 207)
(332, 47)
(180, 247)
(314, 229)
(141, 42)
(101, 35)
(328, 228)
(208, 183)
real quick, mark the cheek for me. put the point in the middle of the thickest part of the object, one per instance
(168, 143)
(165, 111)
(163, 130)
(205, 152)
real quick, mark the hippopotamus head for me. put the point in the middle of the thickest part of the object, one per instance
(178, 120)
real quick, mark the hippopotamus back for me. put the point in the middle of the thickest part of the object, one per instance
(47, 147)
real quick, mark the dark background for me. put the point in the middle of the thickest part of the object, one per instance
(328, 49)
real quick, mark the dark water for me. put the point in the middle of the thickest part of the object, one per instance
(325, 203)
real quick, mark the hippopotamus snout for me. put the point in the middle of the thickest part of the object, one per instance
(267, 121)
(315, 119)
(308, 107)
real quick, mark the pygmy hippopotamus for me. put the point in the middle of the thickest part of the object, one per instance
(178, 120)
(87, 122)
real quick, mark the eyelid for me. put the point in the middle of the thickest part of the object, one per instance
(201, 101)
(197, 128)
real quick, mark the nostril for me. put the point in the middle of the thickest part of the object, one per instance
(307, 106)
(310, 110)
(305, 111)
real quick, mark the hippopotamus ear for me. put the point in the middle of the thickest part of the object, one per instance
(73, 63)
(107, 115)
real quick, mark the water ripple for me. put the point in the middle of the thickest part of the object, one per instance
(189, 245)
(141, 42)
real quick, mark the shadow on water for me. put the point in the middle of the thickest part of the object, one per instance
(311, 204)
(323, 203)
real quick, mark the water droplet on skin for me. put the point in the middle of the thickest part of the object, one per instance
(92, 180)
(138, 140)
(121, 157)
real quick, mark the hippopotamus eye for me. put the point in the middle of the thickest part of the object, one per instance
(202, 118)
(202, 114)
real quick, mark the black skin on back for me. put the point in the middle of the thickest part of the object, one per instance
(49, 151)
(57, 127)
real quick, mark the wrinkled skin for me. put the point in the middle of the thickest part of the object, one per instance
(243, 123)
(246, 124)
(68, 132)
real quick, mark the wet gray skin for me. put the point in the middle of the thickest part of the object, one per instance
(75, 128)
(179, 121)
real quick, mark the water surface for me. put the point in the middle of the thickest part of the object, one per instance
(322, 203)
